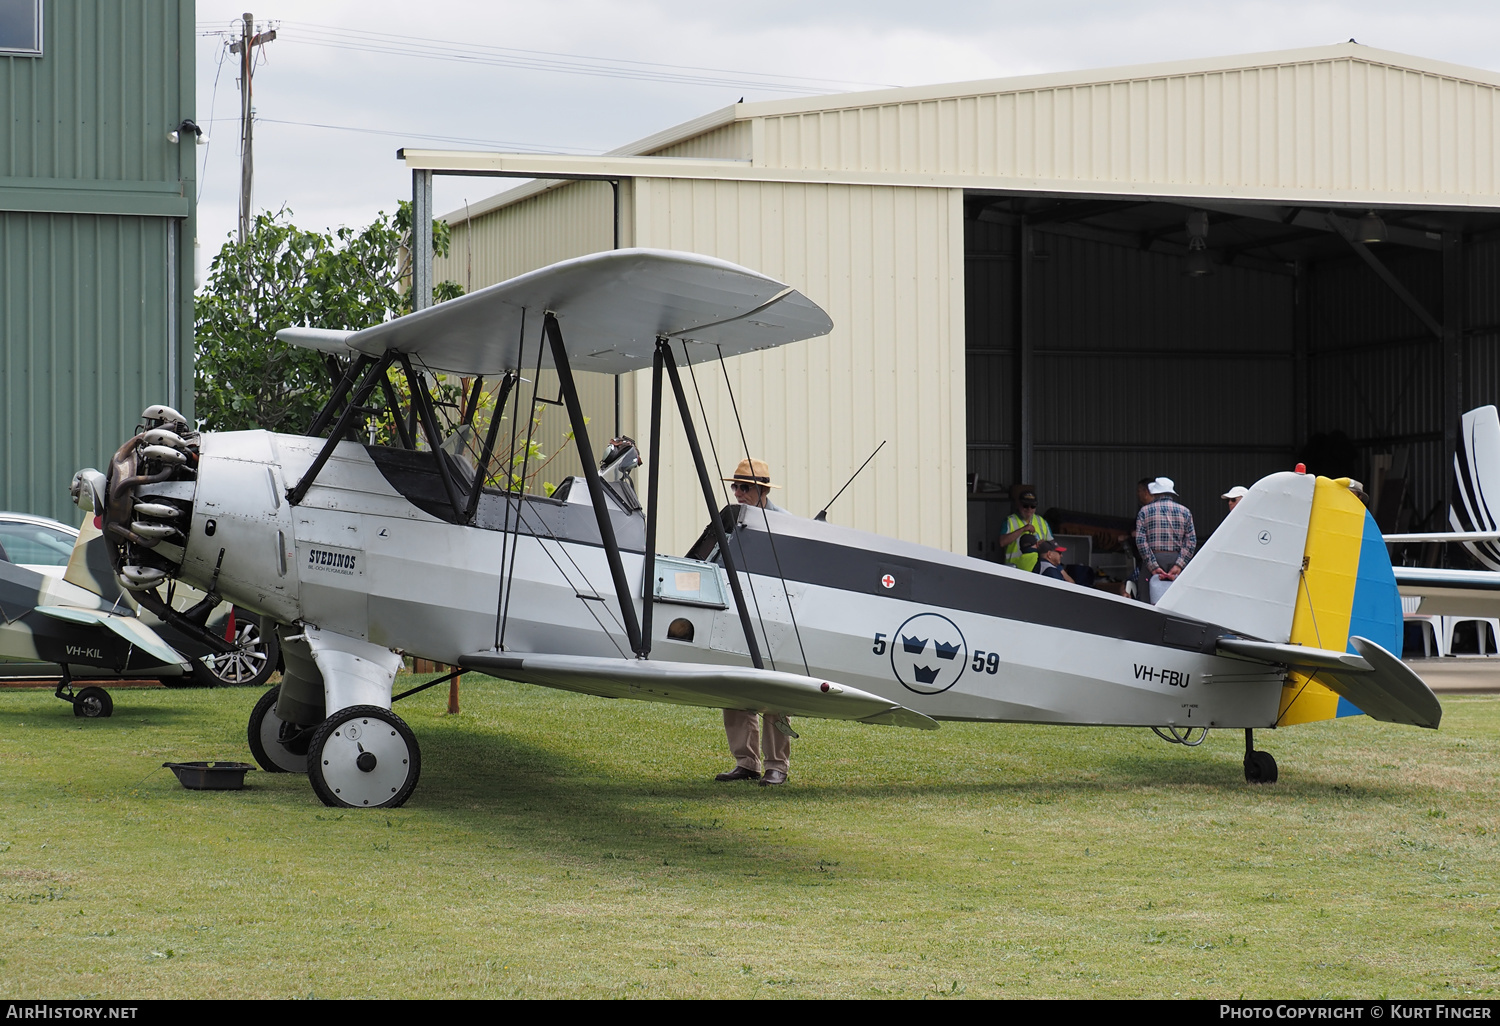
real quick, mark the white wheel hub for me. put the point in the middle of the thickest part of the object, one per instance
(366, 760)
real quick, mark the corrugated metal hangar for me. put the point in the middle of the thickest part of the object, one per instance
(97, 214)
(1205, 269)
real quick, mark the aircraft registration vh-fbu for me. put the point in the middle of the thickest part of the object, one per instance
(1289, 613)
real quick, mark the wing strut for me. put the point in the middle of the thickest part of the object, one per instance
(376, 372)
(653, 488)
(596, 485)
(664, 351)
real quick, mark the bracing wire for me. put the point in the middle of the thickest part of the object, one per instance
(765, 518)
(1307, 678)
(703, 412)
(509, 462)
(510, 574)
(587, 603)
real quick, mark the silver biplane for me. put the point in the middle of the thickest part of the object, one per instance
(361, 550)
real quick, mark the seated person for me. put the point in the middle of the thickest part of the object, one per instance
(1049, 562)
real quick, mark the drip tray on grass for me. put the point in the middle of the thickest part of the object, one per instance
(210, 776)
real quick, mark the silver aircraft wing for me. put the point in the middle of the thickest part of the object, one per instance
(700, 684)
(1381, 685)
(127, 626)
(611, 308)
(1451, 592)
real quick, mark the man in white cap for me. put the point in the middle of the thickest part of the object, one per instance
(1164, 536)
(1234, 495)
(746, 732)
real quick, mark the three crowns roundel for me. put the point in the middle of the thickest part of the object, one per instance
(929, 654)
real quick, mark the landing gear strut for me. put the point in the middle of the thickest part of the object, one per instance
(89, 703)
(1260, 768)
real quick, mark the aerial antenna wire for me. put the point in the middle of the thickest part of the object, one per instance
(703, 412)
(765, 519)
(509, 462)
(823, 513)
(510, 574)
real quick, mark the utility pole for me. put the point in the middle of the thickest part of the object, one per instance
(244, 46)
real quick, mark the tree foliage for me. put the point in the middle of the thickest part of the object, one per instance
(282, 276)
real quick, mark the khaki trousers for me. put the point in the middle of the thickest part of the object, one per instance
(747, 736)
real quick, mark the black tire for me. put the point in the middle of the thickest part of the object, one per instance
(336, 759)
(1260, 768)
(257, 656)
(93, 704)
(262, 733)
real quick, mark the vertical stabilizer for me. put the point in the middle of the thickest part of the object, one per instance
(1245, 577)
(1476, 482)
(1347, 590)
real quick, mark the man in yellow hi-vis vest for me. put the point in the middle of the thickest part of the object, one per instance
(1024, 521)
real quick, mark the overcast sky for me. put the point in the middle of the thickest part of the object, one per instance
(346, 82)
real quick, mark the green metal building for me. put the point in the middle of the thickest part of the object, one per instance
(97, 221)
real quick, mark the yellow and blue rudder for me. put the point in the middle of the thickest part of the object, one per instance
(1347, 589)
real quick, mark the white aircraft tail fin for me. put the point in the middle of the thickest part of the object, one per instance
(1476, 482)
(1245, 576)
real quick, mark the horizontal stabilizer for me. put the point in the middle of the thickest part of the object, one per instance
(1382, 686)
(714, 687)
(1298, 657)
(1393, 692)
(126, 626)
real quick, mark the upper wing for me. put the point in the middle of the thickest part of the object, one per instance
(716, 687)
(611, 306)
(1381, 685)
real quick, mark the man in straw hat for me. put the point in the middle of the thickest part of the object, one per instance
(1165, 538)
(746, 732)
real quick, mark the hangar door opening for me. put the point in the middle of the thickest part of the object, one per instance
(1111, 339)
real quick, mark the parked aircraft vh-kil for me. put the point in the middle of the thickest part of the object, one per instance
(1289, 613)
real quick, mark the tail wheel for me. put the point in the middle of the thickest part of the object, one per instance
(364, 757)
(265, 733)
(93, 703)
(1260, 768)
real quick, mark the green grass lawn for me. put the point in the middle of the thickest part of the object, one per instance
(564, 846)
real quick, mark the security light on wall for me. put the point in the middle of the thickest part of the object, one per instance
(1198, 263)
(1371, 228)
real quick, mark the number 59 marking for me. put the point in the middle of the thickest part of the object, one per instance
(986, 662)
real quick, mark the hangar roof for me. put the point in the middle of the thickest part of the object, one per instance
(1337, 125)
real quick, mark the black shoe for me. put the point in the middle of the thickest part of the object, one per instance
(773, 777)
(741, 773)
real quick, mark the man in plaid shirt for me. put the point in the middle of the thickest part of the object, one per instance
(1165, 538)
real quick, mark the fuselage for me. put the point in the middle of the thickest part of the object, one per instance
(374, 552)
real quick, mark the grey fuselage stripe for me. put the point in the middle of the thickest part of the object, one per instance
(944, 586)
(845, 567)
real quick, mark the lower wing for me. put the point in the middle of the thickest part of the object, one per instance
(714, 687)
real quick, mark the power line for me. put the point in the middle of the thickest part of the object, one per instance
(358, 40)
(490, 143)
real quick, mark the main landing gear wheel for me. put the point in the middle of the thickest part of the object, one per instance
(1260, 767)
(265, 737)
(93, 703)
(364, 757)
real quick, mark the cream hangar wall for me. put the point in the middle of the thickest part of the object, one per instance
(887, 265)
